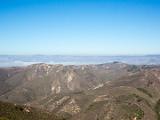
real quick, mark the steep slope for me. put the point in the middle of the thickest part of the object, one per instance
(41, 80)
(130, 97)
(88, 92)
(5, 74)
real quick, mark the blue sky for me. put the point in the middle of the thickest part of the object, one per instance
(80, 27)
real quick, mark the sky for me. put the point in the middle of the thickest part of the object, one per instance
(79, 27)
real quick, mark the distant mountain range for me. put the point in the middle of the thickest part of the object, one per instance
(23, 60)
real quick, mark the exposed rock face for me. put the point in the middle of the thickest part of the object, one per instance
(40, 80)
(87, 92)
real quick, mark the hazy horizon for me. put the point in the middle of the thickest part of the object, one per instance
(24, 60)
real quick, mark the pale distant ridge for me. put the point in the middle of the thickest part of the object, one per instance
(23, 60)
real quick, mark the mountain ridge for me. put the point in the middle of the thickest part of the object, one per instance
(85, 92)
